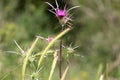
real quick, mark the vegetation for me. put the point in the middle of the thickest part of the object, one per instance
(91, 49)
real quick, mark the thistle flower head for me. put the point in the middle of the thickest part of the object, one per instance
(62, 14)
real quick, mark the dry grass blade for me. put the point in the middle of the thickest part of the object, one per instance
(99, 72)
(101, 77)
(64, 74)
(53, 65)
(27, 57)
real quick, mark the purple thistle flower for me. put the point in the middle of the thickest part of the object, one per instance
(62, 14)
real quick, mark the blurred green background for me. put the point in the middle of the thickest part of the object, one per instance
(96, 28)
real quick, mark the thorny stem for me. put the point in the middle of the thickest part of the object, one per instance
(60, 58)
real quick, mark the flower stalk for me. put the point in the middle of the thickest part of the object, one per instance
(64, 19)
(60, 59)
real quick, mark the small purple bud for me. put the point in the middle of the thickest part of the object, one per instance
(49, 39)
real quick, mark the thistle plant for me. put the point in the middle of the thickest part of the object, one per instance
(64, 18)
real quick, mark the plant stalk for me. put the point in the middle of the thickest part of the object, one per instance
(60, 57)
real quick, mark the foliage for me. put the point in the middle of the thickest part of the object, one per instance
(95, 28)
